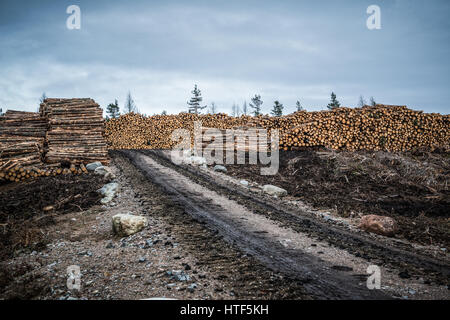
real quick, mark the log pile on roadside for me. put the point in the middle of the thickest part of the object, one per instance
(75, 131)
(64, 136)
(22, 136)
(242, 138)
(389, 128)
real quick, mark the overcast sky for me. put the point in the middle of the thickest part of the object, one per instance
(282, 50)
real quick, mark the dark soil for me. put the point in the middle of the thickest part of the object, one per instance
(22, 208)
(412, 188)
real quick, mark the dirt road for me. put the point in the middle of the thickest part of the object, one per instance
(208, 237)
(335, 270)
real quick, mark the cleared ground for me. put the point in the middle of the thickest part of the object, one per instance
(413, 188)
(232, 241)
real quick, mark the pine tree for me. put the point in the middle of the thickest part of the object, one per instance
(334, 102)
(362, 102)
(194, 103)
(245, 108)
(1, 111)
(112, 110)
(130, 106)
(372, 102)
(299, 106)
(277, 109)
(256, 104)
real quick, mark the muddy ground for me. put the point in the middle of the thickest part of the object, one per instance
(38, 246)
(413, 188)
(26, 208)
(135, 267)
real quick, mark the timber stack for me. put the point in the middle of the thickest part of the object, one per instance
(75, 131)
(22, 136)
(382, 127)
(65, 135)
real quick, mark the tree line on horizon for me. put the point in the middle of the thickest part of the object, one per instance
(195, 105)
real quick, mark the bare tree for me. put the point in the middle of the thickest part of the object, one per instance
(43, 97)
(213, 108)
(130, 106)
(362, 102)
(245, 108)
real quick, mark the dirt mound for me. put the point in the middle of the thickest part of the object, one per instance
(24, 208)
(410, 187)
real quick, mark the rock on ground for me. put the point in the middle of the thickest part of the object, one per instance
(385, 226)
(244, 182)
(127, 224)
(274, 190)
(93, 165)
(220, 168)
(108, 191)
(197, 161)
(105, 172)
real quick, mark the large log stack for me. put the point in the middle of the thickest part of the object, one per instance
(60, 139)
(75, 131)
(390, 128)
(22, 137)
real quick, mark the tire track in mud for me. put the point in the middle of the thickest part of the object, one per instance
(255, 237)
(240, 276)
(399, 255)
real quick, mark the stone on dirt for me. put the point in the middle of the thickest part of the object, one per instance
(108, 191)
(178, 275)
(220, 168)
(381, 225)
(125, 224)
(105, 172)
(197, 161)
(244, 182)
(274, 190)
(93, 165)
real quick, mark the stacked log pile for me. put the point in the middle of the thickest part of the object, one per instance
(242, 138)
(390, 128)
(22, 137)
(60, 139)
(75, 131)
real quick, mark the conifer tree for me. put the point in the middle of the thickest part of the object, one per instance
(112, 110)
(334, 103)
(277, 109)
(194, 103)
(256, 104)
